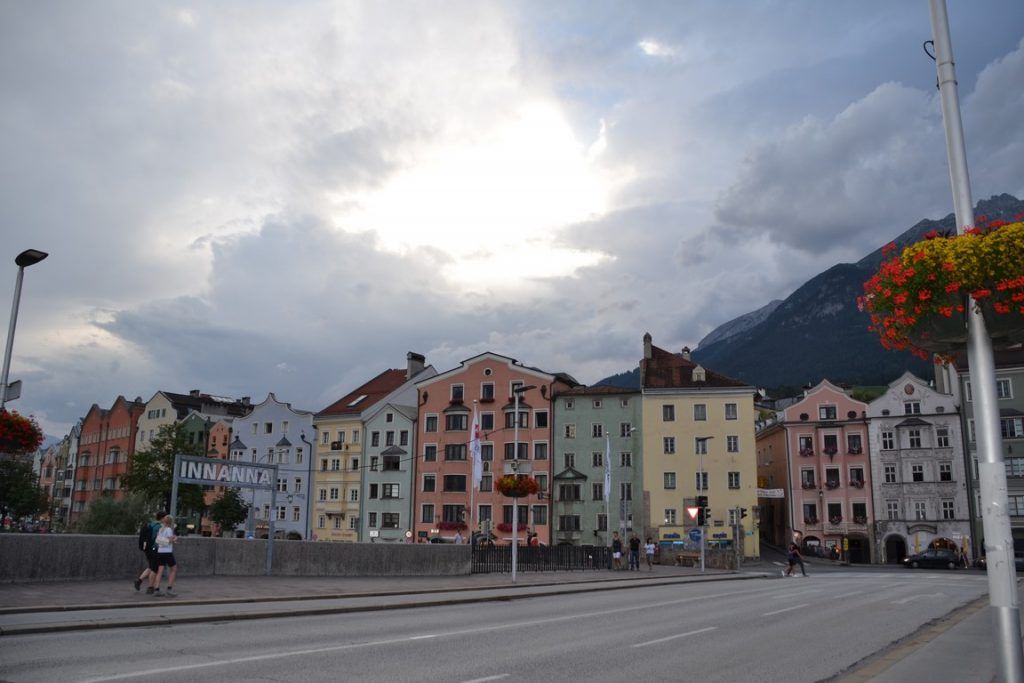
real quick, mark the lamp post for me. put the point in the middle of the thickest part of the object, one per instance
(309, 483)
(27, 258)
(516, 392)
(702, 445)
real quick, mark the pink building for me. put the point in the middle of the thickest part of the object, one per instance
(816, 450)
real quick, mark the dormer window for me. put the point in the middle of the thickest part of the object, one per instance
(699, 375)
(826, 412)
(457, 392)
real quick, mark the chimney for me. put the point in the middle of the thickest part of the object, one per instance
(414, 364)
(194, 393)
(647, 345)
(685, 353)
(246, 400)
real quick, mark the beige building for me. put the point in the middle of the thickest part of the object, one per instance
(166, 408)
(697, 430)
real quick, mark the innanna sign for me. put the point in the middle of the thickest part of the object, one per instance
(214, 472)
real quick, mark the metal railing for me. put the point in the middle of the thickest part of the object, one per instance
(498, 559)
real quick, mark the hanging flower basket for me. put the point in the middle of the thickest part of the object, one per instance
(515, 486)
(19, 434)
(918, 299)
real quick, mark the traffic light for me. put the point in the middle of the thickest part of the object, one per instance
(743, 512)
(702, 501)
(700, 517)
(703, 514)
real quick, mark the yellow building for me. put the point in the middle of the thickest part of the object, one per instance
(697, 430)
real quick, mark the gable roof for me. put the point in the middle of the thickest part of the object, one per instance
(358, 400)
(665, 370)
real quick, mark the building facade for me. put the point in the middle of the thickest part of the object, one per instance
(917, 471)
(106, 446)
(487, 385)
(166, 408)
(697, 432)
(596, 440)
(274, 433)
(387, 484)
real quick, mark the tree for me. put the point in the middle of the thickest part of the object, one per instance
(151, 474)
(229, 510)
(105, 515)
(19, 494)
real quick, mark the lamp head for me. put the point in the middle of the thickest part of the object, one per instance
(29, 257)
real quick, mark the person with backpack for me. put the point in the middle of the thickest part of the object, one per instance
(147, 544)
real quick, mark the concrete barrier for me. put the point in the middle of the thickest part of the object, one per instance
(80, 557)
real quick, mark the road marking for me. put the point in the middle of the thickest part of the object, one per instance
(787, 609)
(489, 678)
(904, 601)
(678, 635)
(398, 641)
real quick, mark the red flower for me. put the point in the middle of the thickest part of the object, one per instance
(889, 247)
(931, 234)
(981, 293)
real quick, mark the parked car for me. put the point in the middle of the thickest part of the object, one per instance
(936, 558)
(1018, 562)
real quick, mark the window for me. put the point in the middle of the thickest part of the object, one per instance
(625, 429)
(486, 482)
(830, 444)
(570, 492)
(1012, 427)
(375, 439)
(427, 513)
(374, 463)
(832, 477)
(625, 491)
(510, 421)
(458, 392)
(700, 412)
(947, 509)
(298, 456)
(540, 515)
(912, 408)
(888, 442)
(1014, 467)
(282, 511)
(323, 464)
(324, 439)
(826, 412)
(335, 492)
(355, 439)
(597, 491)
(602, 521)
(542, 481)
(268, 427)
(322, 494)
(353, 495)
(568, 522)
(857, 476)
(430, 423)
(341, 436)
(391, 463)
(337, 522)
(596, 403)
(372, 517)
(282, 484)
(946, 471)
(389, 491)
(487, 422)
(942, 437)
(732, 444)
(295, 513)
(353, 523)
(920, 509)
(1003, 388)
(1016, 507)
(914, 436)
(389, 520)
(483, 512)
(625, 459)
(487, 391)
(670, 480)
(669, 445)
(430, 453)
(524, 451)
(730, 411)
(540, 419)
(569, 404)
(670, 516)
(455, 482)
(540, 451)
(335, 464)
(455, 451)
(734, 480)
(374, 491)
(700, 446)
(389, 437)
(917, 472)
(668, 413)
(597, 430)
(456, 422)
(321, 521)
(487, 452)
(284, 427)
(807, 479)
(810, 513)
(569, 460)
(597, 458)
(892, 509)
(354, 464)
(701, 481)
(570, 431)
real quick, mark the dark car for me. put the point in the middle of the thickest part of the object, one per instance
(935, 558)
(1018, 562)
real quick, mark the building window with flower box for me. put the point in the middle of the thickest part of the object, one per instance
(810, 513)
(835, 513)
(854, 445)
(807, 479)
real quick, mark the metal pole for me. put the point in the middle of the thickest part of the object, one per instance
(515, 468)
(1002, 583)
(270, 529)
(10, 336)
(703, 527)
(172, 510)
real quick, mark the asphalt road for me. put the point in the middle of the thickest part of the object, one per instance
(793, 629)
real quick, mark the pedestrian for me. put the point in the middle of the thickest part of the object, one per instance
(616, 551)
(797, 557)
(165, 540)
(790, 562)
(458, 536)
(534, 540)
(147, 544)
(963, 558)
(634, 553)
(649, 553)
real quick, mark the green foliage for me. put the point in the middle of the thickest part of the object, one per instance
(105, 515)
(229, 510)
(19, 494)
(867, 394)
(151, 474)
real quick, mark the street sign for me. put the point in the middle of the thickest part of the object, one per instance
(13, 390)
(771, 493)
(695, 535)
(692, 512)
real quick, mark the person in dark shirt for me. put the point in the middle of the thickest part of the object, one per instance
(634, 553)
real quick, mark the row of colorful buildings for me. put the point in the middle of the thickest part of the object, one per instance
(390, 461)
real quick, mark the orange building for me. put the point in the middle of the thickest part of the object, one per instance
(105, 449)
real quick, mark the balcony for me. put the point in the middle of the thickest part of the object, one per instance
(855, 450)
(808, 485)
(835, 520)
(857, 483)
(338, 446)
(830, 450)
(832, 484)
(860, 520)
(806, 452)
(812, 521)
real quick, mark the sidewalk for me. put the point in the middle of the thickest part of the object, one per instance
(40, 607)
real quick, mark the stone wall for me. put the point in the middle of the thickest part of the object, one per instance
(74, 557)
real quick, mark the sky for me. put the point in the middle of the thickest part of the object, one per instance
(246, 197)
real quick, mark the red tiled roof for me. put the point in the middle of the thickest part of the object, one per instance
(665, 370)
(373, 391)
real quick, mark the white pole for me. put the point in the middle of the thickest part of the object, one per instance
(515, 468)
(1002, 584)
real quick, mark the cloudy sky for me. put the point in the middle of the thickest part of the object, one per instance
(246, 197)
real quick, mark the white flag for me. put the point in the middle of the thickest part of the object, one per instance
(607, 468)
(474, 449)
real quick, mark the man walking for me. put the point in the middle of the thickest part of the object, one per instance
(794, 549)
(634, 553)
(147, 544)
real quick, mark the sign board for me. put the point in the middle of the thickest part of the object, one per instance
(13, 390)
(374, 533)
(216, 472)
(846, 544)
(695, 535)
(771, 493)
(692, 512)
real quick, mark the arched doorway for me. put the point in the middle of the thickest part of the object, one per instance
(811, 547)
(895, 549)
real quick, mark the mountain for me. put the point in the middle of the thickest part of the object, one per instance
(817, 331)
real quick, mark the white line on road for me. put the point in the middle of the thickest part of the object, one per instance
(793, 594)
(678, 635)
(489, 678)
(915, 597)
(787, 609)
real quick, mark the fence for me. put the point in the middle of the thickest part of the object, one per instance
(498, 559)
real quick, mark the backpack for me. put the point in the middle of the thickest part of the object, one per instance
(145, 537)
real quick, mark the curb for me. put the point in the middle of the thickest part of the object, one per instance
(168, 620)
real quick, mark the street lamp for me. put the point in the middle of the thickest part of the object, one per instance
(516, 392)
(27, 258)
(702, 445)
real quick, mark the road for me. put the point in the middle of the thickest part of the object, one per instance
(792, 629)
